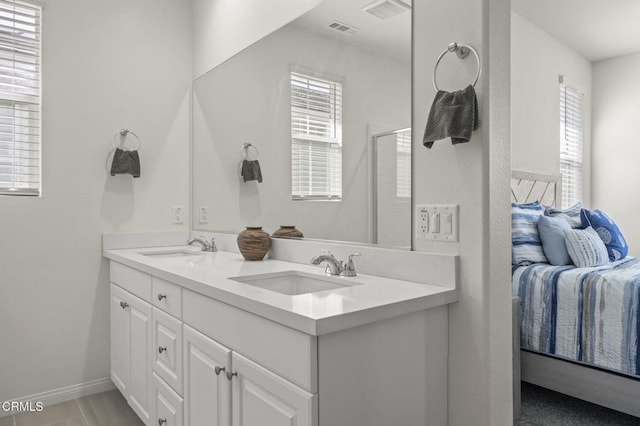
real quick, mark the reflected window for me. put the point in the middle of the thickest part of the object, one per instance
(403, 164)
(316, 138)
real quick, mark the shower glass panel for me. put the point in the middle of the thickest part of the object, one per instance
(392, 188)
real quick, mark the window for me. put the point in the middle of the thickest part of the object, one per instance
(316, 138)
(403, 164)
(571, 134)
(19, 98)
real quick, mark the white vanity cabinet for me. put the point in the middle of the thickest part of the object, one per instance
(221, 385)
(183, 358)
(131, 348)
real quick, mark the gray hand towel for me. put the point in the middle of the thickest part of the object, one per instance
(251, 171)
(452, 114)
(125, 162)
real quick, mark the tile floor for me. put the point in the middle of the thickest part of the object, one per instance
(103, 409)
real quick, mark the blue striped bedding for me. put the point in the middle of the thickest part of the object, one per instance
(589, 315)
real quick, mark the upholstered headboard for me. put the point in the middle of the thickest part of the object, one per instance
(527, 187)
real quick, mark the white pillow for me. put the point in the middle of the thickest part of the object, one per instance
(585, 247)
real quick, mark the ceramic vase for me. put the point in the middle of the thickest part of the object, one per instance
(288, 231)
(254, 243)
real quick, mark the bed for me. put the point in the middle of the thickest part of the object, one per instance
(579, 327)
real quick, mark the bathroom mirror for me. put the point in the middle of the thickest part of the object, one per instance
(325, 103)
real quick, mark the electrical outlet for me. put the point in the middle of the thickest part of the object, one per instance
(437, 222)
(204, 214)
(178, 215)
(422, 222)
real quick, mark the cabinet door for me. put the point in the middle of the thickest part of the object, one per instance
(167, 403)
(140, 356)
(167, 348)
(262, 398)
(120, 332)
(207, 391)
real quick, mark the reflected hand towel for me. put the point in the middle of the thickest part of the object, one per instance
(125, 162)
(251, 171)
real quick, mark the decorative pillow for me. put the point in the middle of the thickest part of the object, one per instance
(608, 232)
(551, 230)
(526, 246)
(570, 214)
(585, 247)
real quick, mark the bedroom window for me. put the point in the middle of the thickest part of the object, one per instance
(571, 137)
(19, 98)
(316, 138)
(403, 165)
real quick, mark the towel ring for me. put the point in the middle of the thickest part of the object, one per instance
(244, 151)
(122, 134)
(462, 50)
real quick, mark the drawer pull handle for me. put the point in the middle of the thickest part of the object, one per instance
(161, 422)
(230, 374)
(162, 349)
(124, 305)
(162, 296)
(219, 370)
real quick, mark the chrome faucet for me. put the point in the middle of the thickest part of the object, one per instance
(206, 245)
(335, 266)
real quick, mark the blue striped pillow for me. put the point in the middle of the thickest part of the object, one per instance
(570, 214)
(526, 247)
(585, 247)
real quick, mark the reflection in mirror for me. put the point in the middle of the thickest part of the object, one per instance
(324, 100)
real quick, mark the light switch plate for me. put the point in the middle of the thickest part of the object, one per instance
(437, 222)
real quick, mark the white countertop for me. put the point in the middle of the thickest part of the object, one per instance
(374, 299)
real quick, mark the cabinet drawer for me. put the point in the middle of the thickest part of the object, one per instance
(167, 404)
(167, 296)
(167, 348)
(133, 281)
(285, 351)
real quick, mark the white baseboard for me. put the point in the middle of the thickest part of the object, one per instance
(66, 394)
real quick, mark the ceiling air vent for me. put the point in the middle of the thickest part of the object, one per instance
(385, 9)
(343, 28)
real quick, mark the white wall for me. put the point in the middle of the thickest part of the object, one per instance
(537, 60)
(246, 99)
(616, 108)
(474, 175)
(222, 28)
(106, 66)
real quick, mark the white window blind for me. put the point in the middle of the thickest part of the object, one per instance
(316, 138)
(403, 164)
(571, 139)
(19, 98)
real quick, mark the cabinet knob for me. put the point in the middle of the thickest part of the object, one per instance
(230, 374)
(124, 305)
(162, 296)
(162, 349)
(219, 370)
(161, 422)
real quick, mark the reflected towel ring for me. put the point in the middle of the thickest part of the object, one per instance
(122, 135)
(244, 151)
(462, 50)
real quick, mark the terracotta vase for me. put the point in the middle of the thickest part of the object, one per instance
(254, 243)
(288, 231)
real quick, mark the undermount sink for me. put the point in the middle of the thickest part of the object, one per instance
(171, 253)
(294, 282)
